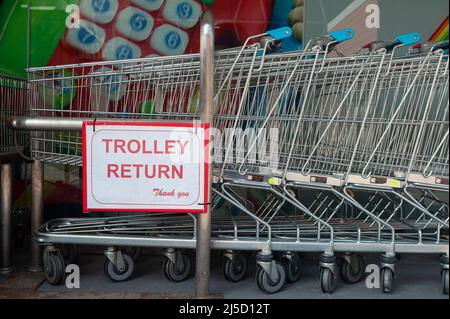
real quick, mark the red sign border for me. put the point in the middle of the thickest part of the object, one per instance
(146, 124)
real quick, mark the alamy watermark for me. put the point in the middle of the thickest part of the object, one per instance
(250, 146)
(373, 20)
(73, 18)
(73, 277)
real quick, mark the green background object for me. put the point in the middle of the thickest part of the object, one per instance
(148, 107)
(208, 2)
(47, 23)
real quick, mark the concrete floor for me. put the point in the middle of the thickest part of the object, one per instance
(417, 278)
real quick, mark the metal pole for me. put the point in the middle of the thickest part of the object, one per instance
(53, 124)
(5, 218)
(37, 190)
(202, 270)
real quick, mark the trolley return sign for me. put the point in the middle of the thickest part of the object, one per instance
(145, 167)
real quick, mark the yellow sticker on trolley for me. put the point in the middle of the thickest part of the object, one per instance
(394, 183)
(274, 181)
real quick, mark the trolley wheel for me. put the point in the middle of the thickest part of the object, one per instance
(54, 268)
(134, 252)
(70, 253)
(387, 280)
(328, 281)
(293, 268)
(117, 275)
(444, 278)
(266, 284)
(177, 273)
(352, 274)
(236, 269)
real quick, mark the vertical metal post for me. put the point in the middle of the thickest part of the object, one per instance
(203, 254)
(5, 218)
(37, 190)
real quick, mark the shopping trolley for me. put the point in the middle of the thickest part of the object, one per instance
(162, 88)
(411, 145)
(361, 127)
(170, 84)
(278, 91)
(13, 94)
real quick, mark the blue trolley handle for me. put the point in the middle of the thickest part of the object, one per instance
(390, 46)
(342, 35)
(400, 41)
(281, 33)
(329, 41)
(272, 40)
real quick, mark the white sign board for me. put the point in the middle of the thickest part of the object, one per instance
(145, 167)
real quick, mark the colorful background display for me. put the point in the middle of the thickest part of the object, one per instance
(441, 34)
(113, 29)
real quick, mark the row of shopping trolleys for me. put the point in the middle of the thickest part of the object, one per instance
(283, 223)
(358, 163)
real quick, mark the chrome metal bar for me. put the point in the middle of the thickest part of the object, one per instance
(69, 124)
(37, 190)
(5, 218)
(45, 124)
(50, 123)
(202, 269)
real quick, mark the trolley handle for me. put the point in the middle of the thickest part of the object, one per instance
(281, 33)
(273, 39)
(399, 41)
(342, 35)
(432, 46)
(329, 41)
(269, 41)
(442, 46)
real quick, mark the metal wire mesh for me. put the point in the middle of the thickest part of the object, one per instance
(13, 102)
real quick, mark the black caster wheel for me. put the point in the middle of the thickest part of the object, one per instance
(134, 252)
(177, 273)
(235, 270)
(54, 267)
(328, 282)
(387, 280)
(70, 253)
(117, 275)
(444, 278)
(266, 284)
(353, 273)
(293, 268)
